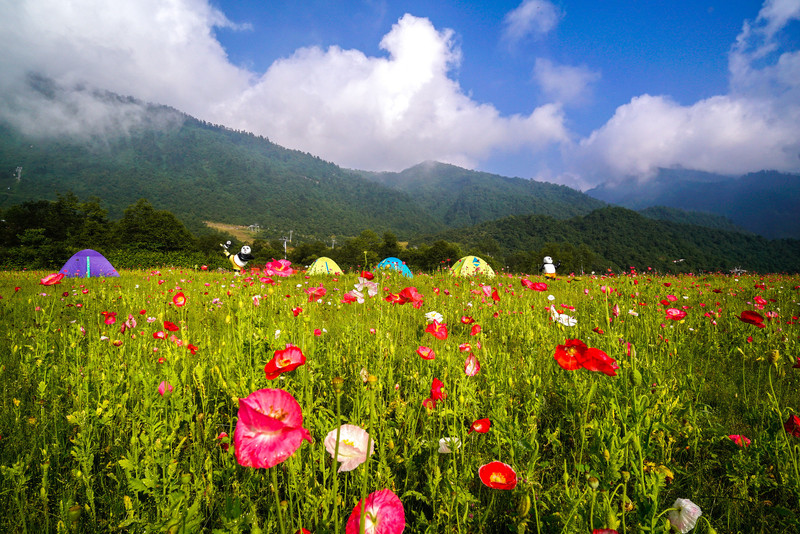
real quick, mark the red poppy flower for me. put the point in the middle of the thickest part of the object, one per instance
(751, 317)
(179, 299)
(481, 426)
(604, 531)
(429, 403)
(739, 440)
(495, 295)
(172, 327)
(391, 298)
(568, 354)
(51, 279)
(204, 267)
(426, 353)
(475, 330)
(410, 294)
(192, 348)
(367, 275)
(437, 330)
(792, 426)
(436, 390)
(596, 360)
(466, 319)
(465, 347)
(283, 361)
(675, 314)
(316, 293)
(498, 475)
(110, 317)
(160, 335)
(296, 311)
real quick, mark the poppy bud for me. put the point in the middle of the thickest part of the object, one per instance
(337, 384)
(74, 513)
(636, 377)
(524, 506)
(593, 482)
(774, 357)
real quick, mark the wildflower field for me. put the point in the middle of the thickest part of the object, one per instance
(269, 401)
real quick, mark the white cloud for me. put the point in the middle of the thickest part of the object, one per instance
(385, 112)
(564, 83)
(531, 17)
(377, 113)
(755, 126)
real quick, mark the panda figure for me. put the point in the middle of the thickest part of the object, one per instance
(239, 260)
(549, 268)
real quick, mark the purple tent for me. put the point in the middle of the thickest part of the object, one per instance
(86, 264)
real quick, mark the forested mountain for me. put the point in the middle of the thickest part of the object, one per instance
(766, 202)
(200, 171)
(618, 238)
(461, 197)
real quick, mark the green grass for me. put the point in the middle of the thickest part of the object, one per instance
(88, 445)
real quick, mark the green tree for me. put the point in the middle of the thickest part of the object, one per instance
(143, 227)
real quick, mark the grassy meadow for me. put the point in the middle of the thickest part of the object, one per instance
(88, 443)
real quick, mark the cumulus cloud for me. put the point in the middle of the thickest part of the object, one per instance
(564, 83)
(376, 113)
(155, 50)
(385, 112)
(531, 17)
(755, 126)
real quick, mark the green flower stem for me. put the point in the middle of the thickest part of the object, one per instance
(274, 470)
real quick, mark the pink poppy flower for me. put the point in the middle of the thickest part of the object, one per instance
(51, 279)
(471, 365)
(383, 513)
(269, 429)
(179, 299)
(352, 446)
(110, 317)
(740, 440)
(283, 361)
(466, 319)
(164, 387)
(498, 475)
(426, 353)
(279, 268)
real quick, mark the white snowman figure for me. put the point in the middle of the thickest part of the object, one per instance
(549, 268)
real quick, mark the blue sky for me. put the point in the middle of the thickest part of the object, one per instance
(570, 91)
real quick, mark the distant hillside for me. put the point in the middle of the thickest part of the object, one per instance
(766, 202)
(461, 197)
(697, 218)
(618, 238)
(202, 172)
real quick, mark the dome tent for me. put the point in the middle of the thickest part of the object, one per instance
(396, 264)
(471, 266)
(324, 265)
(86, 264)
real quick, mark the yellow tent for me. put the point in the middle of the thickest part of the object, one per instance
(324, 265)
(471, 266)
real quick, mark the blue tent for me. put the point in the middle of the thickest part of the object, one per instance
(396, 264)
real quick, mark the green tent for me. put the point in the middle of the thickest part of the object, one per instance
(471, 266)
(324, 265)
